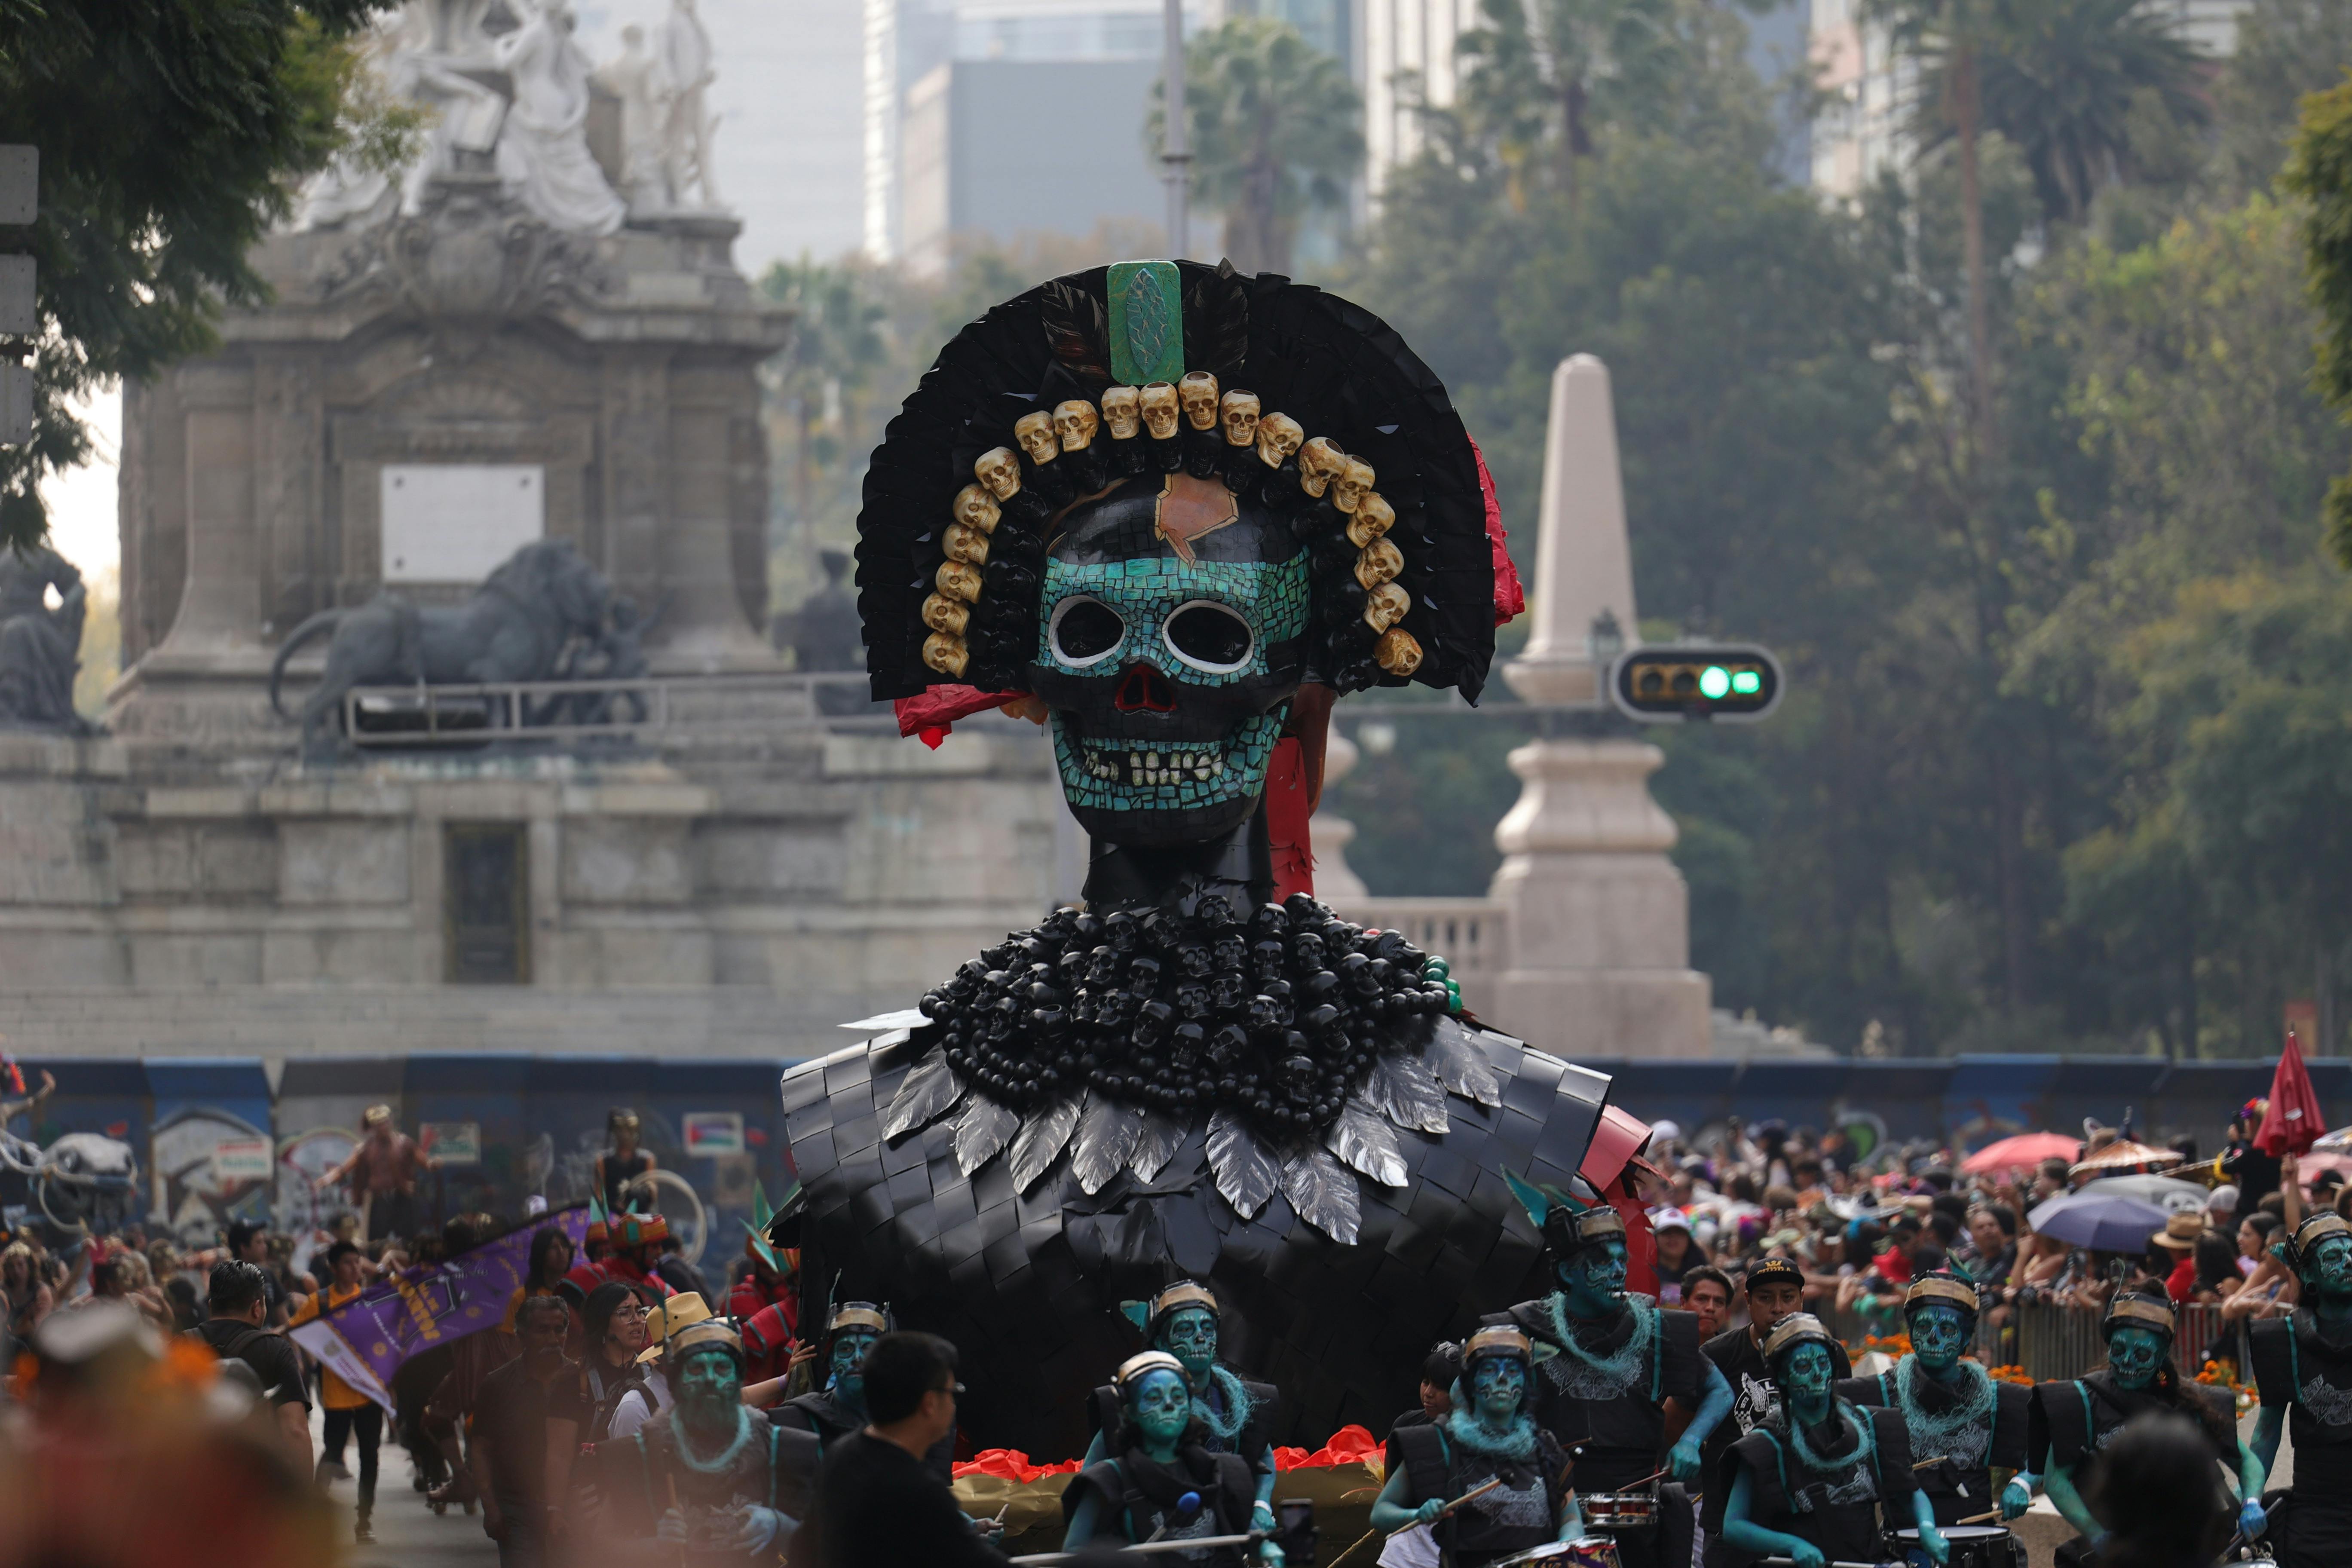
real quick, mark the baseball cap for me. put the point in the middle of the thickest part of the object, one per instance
(1774, 1271)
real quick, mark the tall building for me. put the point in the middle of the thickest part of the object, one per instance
(1408, 62)
(1001, 117)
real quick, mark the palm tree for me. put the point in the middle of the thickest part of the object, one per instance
(1588, 60)
(1276, 133)
(2059, 78)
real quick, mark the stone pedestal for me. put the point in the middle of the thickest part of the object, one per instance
(621, 368)
(1598, 919)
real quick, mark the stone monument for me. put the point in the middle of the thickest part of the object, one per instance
(487, 356)
(40, 643)
(1599, 918)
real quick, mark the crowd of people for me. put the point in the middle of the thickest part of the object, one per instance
(1686, 1388)
(1860, 1227)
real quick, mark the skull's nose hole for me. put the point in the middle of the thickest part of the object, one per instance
(1143, 690)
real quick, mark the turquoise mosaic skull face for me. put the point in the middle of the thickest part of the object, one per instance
(1169, 677)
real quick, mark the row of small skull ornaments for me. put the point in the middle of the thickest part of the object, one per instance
(993, 544)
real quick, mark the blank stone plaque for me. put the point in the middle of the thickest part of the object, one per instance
(455, 523)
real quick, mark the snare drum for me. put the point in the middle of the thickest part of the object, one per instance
(1973, 1546)
(1591, 1552)
(1550, 1555)
(1619, 1510)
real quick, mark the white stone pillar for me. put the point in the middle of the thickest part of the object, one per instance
(1584, 567)
(1598, 918)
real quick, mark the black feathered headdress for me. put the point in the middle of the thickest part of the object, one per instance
(947, 554)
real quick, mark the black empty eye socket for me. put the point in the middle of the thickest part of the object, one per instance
(1086, 630)
(1210, 636)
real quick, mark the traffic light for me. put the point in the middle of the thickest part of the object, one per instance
(1670, 685)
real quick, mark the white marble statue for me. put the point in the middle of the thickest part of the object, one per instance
(631, 79)
(682, 59)
(406, 52)
(542, 151)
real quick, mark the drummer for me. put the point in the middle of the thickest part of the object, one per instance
(1236, 1416)
(2072, 1421)
(1611, 1362)
(1953, 1411)
(1161, 1482)
(1775, 1288)
(1487, 1436)
(1820, 1480)
(2303, 1369)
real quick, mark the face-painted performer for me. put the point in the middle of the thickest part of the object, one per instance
(712, 1477)
(2303, 1370)
(1161, 1479)
(1174, 512)
(1954, 1412)
(1236, 1415)
(1820, 1480)
(837, 1407)
(1774, 1288)
(2079, 1418)
(1620, 1359)
(1487, 1436)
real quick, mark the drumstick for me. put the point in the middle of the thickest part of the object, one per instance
(1449, 1508)
(1985, 1518)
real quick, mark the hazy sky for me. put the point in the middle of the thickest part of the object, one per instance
(81, 503)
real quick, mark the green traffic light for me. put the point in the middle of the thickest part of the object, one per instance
(1747, 683)
(1713, 683)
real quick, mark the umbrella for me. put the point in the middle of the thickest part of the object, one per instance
(2017, 1152)
(2337, 1141)
(2168, 1192)
(2122, 1156)
(2293, 1120)
(2097, 1220)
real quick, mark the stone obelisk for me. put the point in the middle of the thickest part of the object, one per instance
(1599, 918)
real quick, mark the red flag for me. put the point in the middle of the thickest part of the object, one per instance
(2294, 1122)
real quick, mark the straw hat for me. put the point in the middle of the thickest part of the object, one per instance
(675, 1313)
(2180, 1231)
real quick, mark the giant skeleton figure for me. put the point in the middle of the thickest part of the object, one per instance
(2072, 1421)
(1619, 1360)
(2303, 1369)
(1820, 1480)
(1963, 1425)
(1174, 513)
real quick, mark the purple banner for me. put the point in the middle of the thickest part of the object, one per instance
(427, 1307)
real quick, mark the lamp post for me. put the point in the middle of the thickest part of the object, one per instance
(1175, 158)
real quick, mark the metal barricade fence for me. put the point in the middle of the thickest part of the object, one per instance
(2052, 1344)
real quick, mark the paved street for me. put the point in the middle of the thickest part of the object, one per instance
(407, 1533)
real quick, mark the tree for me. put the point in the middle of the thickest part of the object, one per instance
(1587, 61)
(171, 133)
(2062, 78)
(1275, 132)
(840, 344)
(2320, 171)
